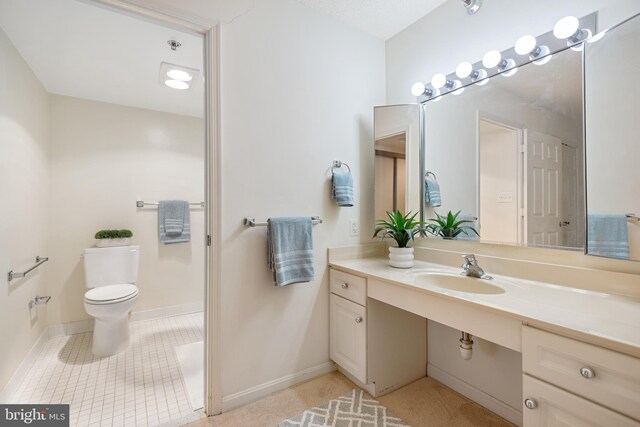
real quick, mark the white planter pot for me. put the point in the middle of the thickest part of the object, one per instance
(108, 243)
(400, 257)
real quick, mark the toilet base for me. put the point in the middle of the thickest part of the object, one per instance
(110, 337)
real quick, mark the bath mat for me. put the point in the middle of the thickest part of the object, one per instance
(191, 362)
(355, 409)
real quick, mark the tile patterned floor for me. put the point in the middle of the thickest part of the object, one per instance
(139, 387)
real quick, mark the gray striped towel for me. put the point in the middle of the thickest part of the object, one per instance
(290, 246)
(607, 236)
(342, 189)
(174, 225)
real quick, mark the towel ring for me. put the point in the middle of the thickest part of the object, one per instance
(427, 173)
(337, 164)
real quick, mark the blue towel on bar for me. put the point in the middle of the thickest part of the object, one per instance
(290, 246)
(432, 192)
(173, 221)
(342, 189)
(607, 236)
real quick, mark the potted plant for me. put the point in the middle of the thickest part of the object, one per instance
(402, 229)
(448, 226)
(109, 238)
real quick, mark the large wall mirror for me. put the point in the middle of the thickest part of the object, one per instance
(508, 155)
(397, 136)
(613, 142)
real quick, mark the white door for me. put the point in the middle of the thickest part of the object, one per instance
(348, 336)
(544, 189)
(569, 199)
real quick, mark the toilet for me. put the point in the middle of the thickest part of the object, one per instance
(110, 274)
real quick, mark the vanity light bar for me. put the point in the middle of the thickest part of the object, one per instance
(569, 32)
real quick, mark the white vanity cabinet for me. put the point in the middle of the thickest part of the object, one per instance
(571, 383)
(360, 327)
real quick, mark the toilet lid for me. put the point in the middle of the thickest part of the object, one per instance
(111, 293)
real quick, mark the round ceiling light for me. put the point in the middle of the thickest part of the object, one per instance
(181, 75)
(177, 84)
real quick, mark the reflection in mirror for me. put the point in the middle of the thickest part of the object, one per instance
(612, 128)
(507, 155)
(397, 142)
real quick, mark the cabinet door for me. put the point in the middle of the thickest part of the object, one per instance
(348, 336)
(553, 407)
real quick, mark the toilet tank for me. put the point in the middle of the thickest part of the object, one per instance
(110, 266)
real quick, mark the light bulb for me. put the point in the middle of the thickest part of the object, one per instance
(457, 87)
(417, 89)
(510, 72)
(439, 80)
(181, 75)
(491, 59)
(597, 37)
(464, 70)
(544, 60)
(176, 84)
(458, 91)
(525, 45)
(566, 27)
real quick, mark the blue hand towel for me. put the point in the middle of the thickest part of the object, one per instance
(432, 192)
(290, 246)
(607, 236)
(173, 221)
(342, 188)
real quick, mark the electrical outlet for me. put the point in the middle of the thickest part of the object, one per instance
(505, 197)
(354, 227)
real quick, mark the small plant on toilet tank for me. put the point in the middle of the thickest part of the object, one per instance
(402, 229)
(110, 238)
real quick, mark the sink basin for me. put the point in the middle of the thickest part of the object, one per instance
(459, 283)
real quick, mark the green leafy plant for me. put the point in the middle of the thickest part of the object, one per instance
(448, 226)
(113, 234)
(401, 228)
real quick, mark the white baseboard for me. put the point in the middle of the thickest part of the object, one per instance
(254, 393)
(174, 310)
(475, 394)
(81, 326)
(20, 373)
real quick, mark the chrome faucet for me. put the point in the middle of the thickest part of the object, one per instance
(472, 269)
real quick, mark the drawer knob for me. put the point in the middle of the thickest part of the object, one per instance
(587, 372)
(359, 319)
(530, 403)
(345, 285)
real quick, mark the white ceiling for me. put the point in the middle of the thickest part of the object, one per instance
(380, 18)
(80, 50)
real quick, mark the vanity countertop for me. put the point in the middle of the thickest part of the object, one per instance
(611, 321)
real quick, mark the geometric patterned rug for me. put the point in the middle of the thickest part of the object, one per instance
(355, 409)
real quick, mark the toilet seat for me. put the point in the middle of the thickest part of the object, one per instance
(111, 294)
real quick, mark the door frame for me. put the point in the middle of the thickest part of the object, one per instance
(212, 185)
(521, 131)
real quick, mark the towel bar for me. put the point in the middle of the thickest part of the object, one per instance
(141, 204)
(337, 164)
(39, 261)
(251, 222)
(631, 217)
(427, 173)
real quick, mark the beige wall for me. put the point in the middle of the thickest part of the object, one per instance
(104, 157)
(24, 191)
(298, 90)
(435, 44)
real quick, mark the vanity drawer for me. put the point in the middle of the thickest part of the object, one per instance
(348, 286)
(610, 378)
